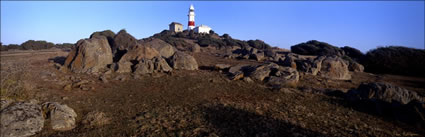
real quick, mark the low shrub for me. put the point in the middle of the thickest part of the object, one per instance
(396, 60)
(314, 47)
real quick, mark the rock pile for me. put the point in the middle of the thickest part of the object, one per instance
(272, 74)
(332, 67)
(122, 53)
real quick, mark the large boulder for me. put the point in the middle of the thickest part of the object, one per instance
(106, 33)
(334, 68)
(21, 120)
(164, 49)
(138, 53)
(89, 55)
(384, 92)
(62, 117)
(123, 41)
(183, 61)
(310, 66)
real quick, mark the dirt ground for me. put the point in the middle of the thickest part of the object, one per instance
(200, 103)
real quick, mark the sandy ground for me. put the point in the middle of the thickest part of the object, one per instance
(202, 102)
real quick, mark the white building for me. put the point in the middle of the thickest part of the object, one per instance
(202, 29)
(176, 27)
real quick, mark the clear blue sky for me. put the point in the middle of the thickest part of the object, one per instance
(360, 24)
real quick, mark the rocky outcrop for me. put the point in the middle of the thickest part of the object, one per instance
(384, 92)
(124, 67)
(284, 77)
(138, 53)
(21, 120)
(89, 55)
(310, 66)
(106, 33)
(334, 68)
(148, 66)
(389, 100)
(123, 41)
(61, 117)
(289, 61)
(164, 49)
(263, 71)
(183, 61)
(276, 76)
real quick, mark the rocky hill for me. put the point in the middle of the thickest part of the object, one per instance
(188, 84)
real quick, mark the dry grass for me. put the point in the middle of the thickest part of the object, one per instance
(13, 84)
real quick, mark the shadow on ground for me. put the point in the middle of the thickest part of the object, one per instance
(412, 114)
(59, 59)
(233, 122)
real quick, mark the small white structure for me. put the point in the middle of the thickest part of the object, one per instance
(176, 27)
(202, 29)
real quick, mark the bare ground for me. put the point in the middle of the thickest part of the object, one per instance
(203, 102)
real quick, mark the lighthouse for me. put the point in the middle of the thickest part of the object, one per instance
(191, 15)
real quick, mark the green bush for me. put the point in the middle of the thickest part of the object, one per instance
(396, 60)
(207, 40)
(353, 53)
(259, 44)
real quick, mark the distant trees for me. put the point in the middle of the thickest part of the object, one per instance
(35, 45)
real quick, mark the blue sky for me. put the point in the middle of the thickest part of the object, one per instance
(360, 24)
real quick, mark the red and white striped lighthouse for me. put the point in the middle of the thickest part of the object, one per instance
(191, 16)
